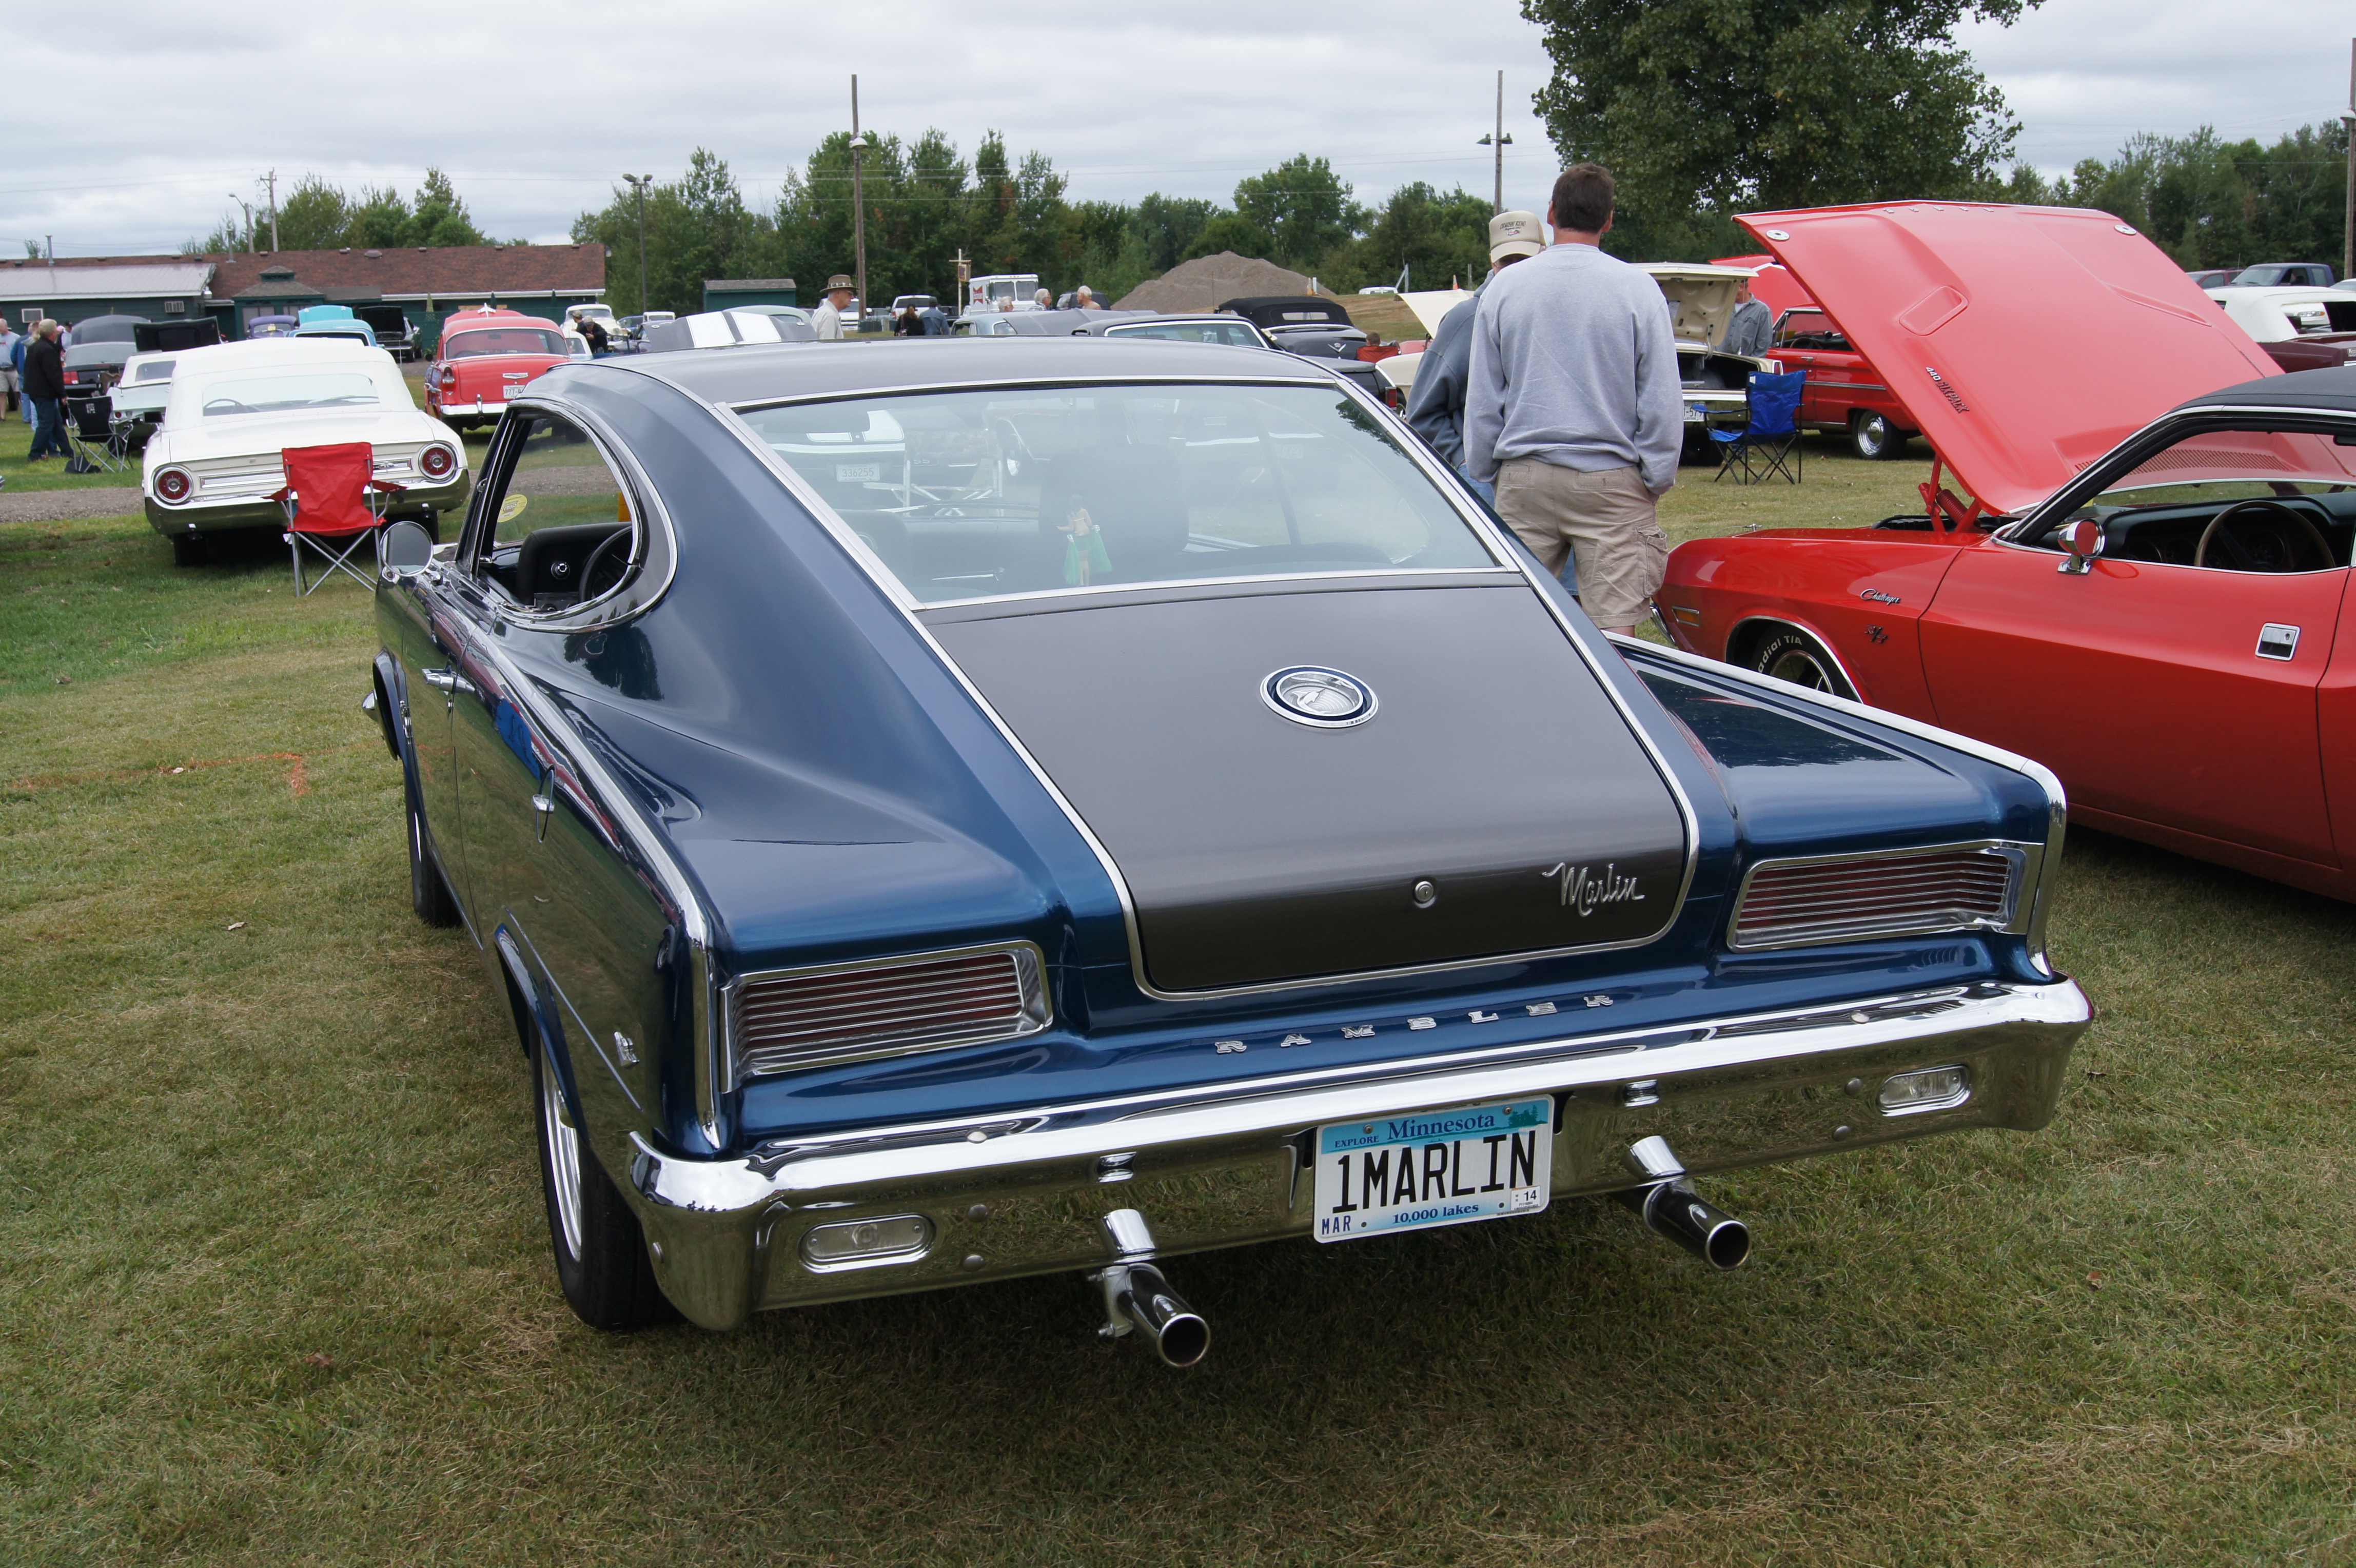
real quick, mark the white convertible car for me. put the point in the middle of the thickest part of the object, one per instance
(215, 464)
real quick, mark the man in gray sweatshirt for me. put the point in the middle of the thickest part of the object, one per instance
(1573, 408)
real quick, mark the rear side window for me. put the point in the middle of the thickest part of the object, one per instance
(555, 529)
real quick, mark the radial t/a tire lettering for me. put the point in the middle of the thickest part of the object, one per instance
(601, 1250)
(1795, 656)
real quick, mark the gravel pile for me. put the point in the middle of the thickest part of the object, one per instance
(1209, 281)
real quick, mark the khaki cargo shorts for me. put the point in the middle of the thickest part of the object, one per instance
(1607, 518)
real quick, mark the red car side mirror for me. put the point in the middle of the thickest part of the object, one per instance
(2082, 538)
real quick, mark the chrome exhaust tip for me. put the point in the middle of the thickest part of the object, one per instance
(1137, 1296)
(1670, 1207)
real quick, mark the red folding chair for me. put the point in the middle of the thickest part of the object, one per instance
(335, 504)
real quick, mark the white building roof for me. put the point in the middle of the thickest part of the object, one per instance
(42, 284)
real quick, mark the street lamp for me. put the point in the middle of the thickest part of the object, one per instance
(247, 207)
(639, 183)
(1501, 141)
(858, 196)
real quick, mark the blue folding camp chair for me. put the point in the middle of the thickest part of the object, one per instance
(1769, 443)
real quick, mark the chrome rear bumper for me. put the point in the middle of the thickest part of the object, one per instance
(1022, 1194)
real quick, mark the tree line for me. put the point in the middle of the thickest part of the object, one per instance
(318, 216)
(927, 203)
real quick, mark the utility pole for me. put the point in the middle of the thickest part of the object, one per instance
(2348, 237)
(247, 207)
(273, 212)
(639, 183)
(965, 275)
(858, 196)
(1501, 141)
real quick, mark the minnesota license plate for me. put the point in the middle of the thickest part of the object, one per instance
(1696, 415)
(1433, 1167)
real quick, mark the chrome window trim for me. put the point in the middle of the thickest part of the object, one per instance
(2056, 800)
(673, 884)
(732, 998)
(2024, 859)
(602, 613)
(1451, 489)
(2068, 496)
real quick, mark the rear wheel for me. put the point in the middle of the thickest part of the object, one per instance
(601, 1250)
(1796, 657)
(429, 895)
(1870, 435)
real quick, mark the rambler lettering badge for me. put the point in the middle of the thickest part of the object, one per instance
(1582, 890)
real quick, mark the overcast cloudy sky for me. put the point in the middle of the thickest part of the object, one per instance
(129, 137)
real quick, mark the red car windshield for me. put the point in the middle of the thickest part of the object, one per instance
(504, 340)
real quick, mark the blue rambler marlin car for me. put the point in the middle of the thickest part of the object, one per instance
(995, 808)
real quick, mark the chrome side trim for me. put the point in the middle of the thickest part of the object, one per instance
(673, 884)
(2024, 859)
(2057, 799)
(1450, 489)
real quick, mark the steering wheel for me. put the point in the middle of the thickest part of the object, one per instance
(2285, 535)
(589, 568)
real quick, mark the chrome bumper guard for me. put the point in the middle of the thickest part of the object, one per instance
(1024, 1192)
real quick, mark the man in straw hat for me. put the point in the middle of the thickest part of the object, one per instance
(828, 317)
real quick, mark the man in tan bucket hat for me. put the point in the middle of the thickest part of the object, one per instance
(828, 317)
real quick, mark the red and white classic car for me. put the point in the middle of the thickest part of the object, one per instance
(485, 357)
(2143, 585)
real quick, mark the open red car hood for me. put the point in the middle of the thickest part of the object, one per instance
(2024, 341)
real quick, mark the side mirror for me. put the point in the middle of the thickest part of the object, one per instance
(403, 550)
(2082, 538)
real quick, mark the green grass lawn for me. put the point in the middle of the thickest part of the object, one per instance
(276, 1285)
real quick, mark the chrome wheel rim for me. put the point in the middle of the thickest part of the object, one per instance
(561, 1142)
(1801, 667)
(1872, 435)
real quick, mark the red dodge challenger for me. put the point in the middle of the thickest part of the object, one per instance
(2133, 556)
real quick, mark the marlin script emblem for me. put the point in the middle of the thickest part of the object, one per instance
(1582, 890)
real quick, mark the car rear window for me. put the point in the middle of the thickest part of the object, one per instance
(159, 371)
(980, 494)
(1234, 333)
(504, 340)
(286, 394)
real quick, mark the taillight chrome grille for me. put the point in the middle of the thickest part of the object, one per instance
(1792, 903)
(803, 1018)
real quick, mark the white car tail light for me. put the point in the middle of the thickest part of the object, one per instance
(437, 462)
(173, 486)
(840, 1012)
(1791, 903)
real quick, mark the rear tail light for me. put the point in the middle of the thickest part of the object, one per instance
(175, 485)
(811, 1017)
(449, 376)
(1791, 903)
(437, 462)
(73, 377)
